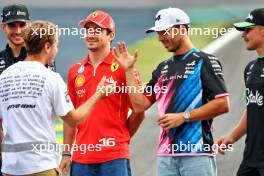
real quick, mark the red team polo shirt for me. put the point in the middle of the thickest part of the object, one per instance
(104, 135)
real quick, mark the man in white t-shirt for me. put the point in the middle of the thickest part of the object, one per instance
(30, 98)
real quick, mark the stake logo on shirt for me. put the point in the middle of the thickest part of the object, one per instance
(255, 98)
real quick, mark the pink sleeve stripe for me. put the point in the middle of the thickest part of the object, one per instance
(221, 95)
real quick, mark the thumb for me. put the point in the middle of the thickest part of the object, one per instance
(136, 55)
(62, 165)
(115, 52)
(219, 141)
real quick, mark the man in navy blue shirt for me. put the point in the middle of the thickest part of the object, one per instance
(14, 21)
(190, 92)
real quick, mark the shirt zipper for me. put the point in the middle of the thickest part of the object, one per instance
(95, 68)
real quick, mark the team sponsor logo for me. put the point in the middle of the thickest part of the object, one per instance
(216, 66)
(2, 63)
(247, 75)
(94, 15)
(80, 93)
(250, 17)
(110, 80)
(262, 74)
(251, 66)
(254, 98)
(114, 67)
(192, 64)
(189, 69)
(165, 69)
(8, 14)
(158, 18)
(196, 55)
(80, 80)
(249, 72)
(169, 78)
(21, 13)
(81, 69)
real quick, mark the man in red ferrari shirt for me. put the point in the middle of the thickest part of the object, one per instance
(102, 141)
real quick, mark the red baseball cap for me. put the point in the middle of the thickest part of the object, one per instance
(100, 18)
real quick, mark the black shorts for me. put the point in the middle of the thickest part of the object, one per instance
(249, 171)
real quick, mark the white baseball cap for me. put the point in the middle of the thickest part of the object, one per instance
(169, 17)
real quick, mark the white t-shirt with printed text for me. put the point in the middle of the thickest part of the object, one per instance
(30, 98)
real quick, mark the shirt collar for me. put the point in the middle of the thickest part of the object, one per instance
(22, 55)
(109, 59)
(260, 57)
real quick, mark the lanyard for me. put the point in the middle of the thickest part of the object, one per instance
(260, 57)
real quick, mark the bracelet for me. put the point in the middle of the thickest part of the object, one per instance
(66, 154)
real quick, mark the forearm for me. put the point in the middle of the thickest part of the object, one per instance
(69, 135)
(78, 115)
(211, 109)
(139, 102)
(134, 121)
(84, 110)
(241, 129)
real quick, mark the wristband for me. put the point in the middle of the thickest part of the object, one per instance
(66, 154)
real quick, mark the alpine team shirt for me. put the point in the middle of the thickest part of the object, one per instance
(103, 135)
(30, 98)
(180, 84)
(254, 81)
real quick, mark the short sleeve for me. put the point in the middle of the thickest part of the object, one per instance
(248, 69)
(212, 78)
(60, 98)
(247, 73)
(71, 91)
(150, 87)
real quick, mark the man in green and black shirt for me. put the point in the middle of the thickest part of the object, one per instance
(252, 120)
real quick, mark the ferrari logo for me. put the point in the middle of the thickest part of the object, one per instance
(114, 67)
(94, 15)
(80, 80)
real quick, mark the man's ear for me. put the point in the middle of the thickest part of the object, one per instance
(183, 29)
(47, 47)
(112, 36)
(1, 26)
(262, 30)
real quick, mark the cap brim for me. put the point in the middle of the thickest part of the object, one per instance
(15, 20)
(157, 28)
(82, 23)
(241, 26)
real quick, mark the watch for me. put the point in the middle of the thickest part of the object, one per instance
(186, 116)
